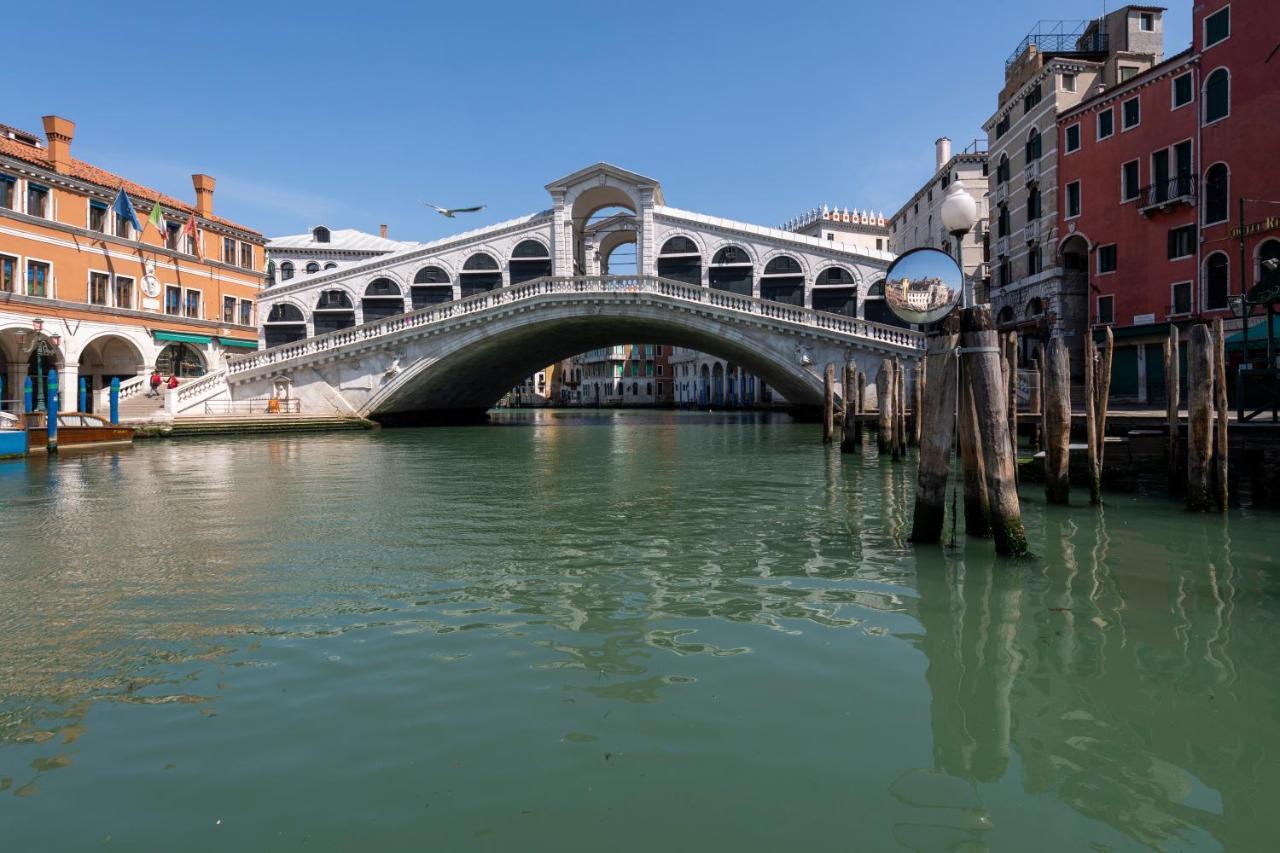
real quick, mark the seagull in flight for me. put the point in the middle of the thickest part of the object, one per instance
(448, 212)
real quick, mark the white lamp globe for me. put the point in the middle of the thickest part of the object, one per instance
(959, 210)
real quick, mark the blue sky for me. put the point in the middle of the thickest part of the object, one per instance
(351, 114)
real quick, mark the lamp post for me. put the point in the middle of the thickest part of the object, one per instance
(42, 351)
(959, 214)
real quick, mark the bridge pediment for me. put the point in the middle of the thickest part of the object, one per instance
(606, 174)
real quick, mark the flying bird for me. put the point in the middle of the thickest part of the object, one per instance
(449, 212)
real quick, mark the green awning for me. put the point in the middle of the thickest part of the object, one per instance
(182, 337)
(238, 342)
(1257, 335)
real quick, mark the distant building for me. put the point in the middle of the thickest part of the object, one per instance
(1038, 286)
(709, 381)
(918, 224)
(621, 375)
(323, 248)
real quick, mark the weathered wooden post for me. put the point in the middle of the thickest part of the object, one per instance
(977, 509)
(982, 367)
(1172, 394)
(828, 402)
(1056, 401)
(860, 407)
(899, 440)
(1035, 399)
(917, 403)
(1090, 416)
(1101, 402)
(849, 404)
(1220, 406)
(1041, 357)
(884, 406)
(1199, 412)
(935, 443)
(904, 436)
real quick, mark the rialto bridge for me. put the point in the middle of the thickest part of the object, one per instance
(443, 329)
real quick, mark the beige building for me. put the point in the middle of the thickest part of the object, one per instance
(918, 224)
(1034, 286)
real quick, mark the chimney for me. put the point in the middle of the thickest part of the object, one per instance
(943, 150)
(59, 132)
(204, 194)
(382, 231)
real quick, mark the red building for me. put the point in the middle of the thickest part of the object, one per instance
(1149, 174)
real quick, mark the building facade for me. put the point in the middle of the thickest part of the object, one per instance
(1035, 288)
(323, 248)
(84, 291)
(918, 223)
(1152, 172)
(622, 375)
(703, 381)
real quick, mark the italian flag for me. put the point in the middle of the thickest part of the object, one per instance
(156, 218)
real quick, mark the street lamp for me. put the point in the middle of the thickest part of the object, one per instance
(959, 214)
(42, 351)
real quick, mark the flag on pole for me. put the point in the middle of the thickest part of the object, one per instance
(124, 209)
(189, 230)
(156, 218)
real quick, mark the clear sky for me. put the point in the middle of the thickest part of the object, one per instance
(350, 114)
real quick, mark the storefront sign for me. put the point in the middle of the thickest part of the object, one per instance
(1271, 223)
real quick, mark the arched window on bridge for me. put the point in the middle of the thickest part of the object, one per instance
(382, 298)
(680, 260)
(284, 325)
(313, 268)
(835, 291)
(783, 281)
(334, 311)
(331, 266)
(731, 270)
(286, 271)
(430, 287)
(875, 308)
(480, 273)
(529, 260)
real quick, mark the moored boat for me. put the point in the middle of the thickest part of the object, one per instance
(75, 429)
(13, 438)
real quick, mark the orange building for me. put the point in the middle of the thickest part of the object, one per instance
(84, 291)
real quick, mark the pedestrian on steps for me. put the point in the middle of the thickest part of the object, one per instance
(173, 382)
(155, 384)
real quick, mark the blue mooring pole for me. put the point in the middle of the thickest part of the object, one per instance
(115, 400)
(83, 398)
(51, 411)
(28, 394)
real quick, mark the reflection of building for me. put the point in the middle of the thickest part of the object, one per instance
(1152, 205)
(323, 248)
(1035, 285)
(920, 294)
(709, 381)
(120, 299)
(919, 224)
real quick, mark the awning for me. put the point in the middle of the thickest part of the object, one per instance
(238, 342)
(1257, 335)
(1157, 329)
(182, 337)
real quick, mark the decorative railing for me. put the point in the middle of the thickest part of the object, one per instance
(1171, 191)
(445, 312)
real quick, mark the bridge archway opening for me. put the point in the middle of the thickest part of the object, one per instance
(431, 286)
(334, 311)
(731, 271)
(284, 325)
(382, 298)
(480, 274)
(618, 254)
(680, 259)
(592, 206)
(529, 260)
(835, 291)
(783, 281)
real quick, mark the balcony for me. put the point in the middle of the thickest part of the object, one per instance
(1002, 247)
(1032, 232)
(1002, 192)
(1031, 174)
(1167, 195)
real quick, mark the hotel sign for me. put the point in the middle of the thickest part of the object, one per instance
(1271, 223)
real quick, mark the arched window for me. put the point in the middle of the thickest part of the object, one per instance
(180, 360)
(286, 271)
(331, 266)
(320, 234)
(1217, 95)
(284, 324)
(783, 281)
(731, 270)
(875, 308)
(1002, 170)
(382, 298)
(1033, 146)
(1217, 206)
(529, 260)
(430, 287)
(1034, 308)
(313, 267)
(1005, 317)
(836, 292)
(334, 311)
(479, 273)
(1217, 281)
(1268, 251)
(680, 260)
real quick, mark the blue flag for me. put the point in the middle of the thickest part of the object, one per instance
(124, 209)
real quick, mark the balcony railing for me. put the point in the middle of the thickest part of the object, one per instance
(1032, 232)
(1174, 191)
(1002, 246)
(1002, 192)
(1031, 173)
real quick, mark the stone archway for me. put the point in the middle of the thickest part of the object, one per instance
(108, 357)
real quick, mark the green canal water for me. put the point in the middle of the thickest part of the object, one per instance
(614, 631)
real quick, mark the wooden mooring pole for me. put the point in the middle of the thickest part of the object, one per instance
(1199, 414)
(828, 403)
(899, 411)
(1172, 393)
(1220, 413)
(1056, 400)
(884, 406)
(849, 403)
(982, 369)
(860, 407)
(939, 406)
(917, 402)
(977, 509)
(1011, 358)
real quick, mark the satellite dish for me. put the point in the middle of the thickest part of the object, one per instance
(923, 286)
